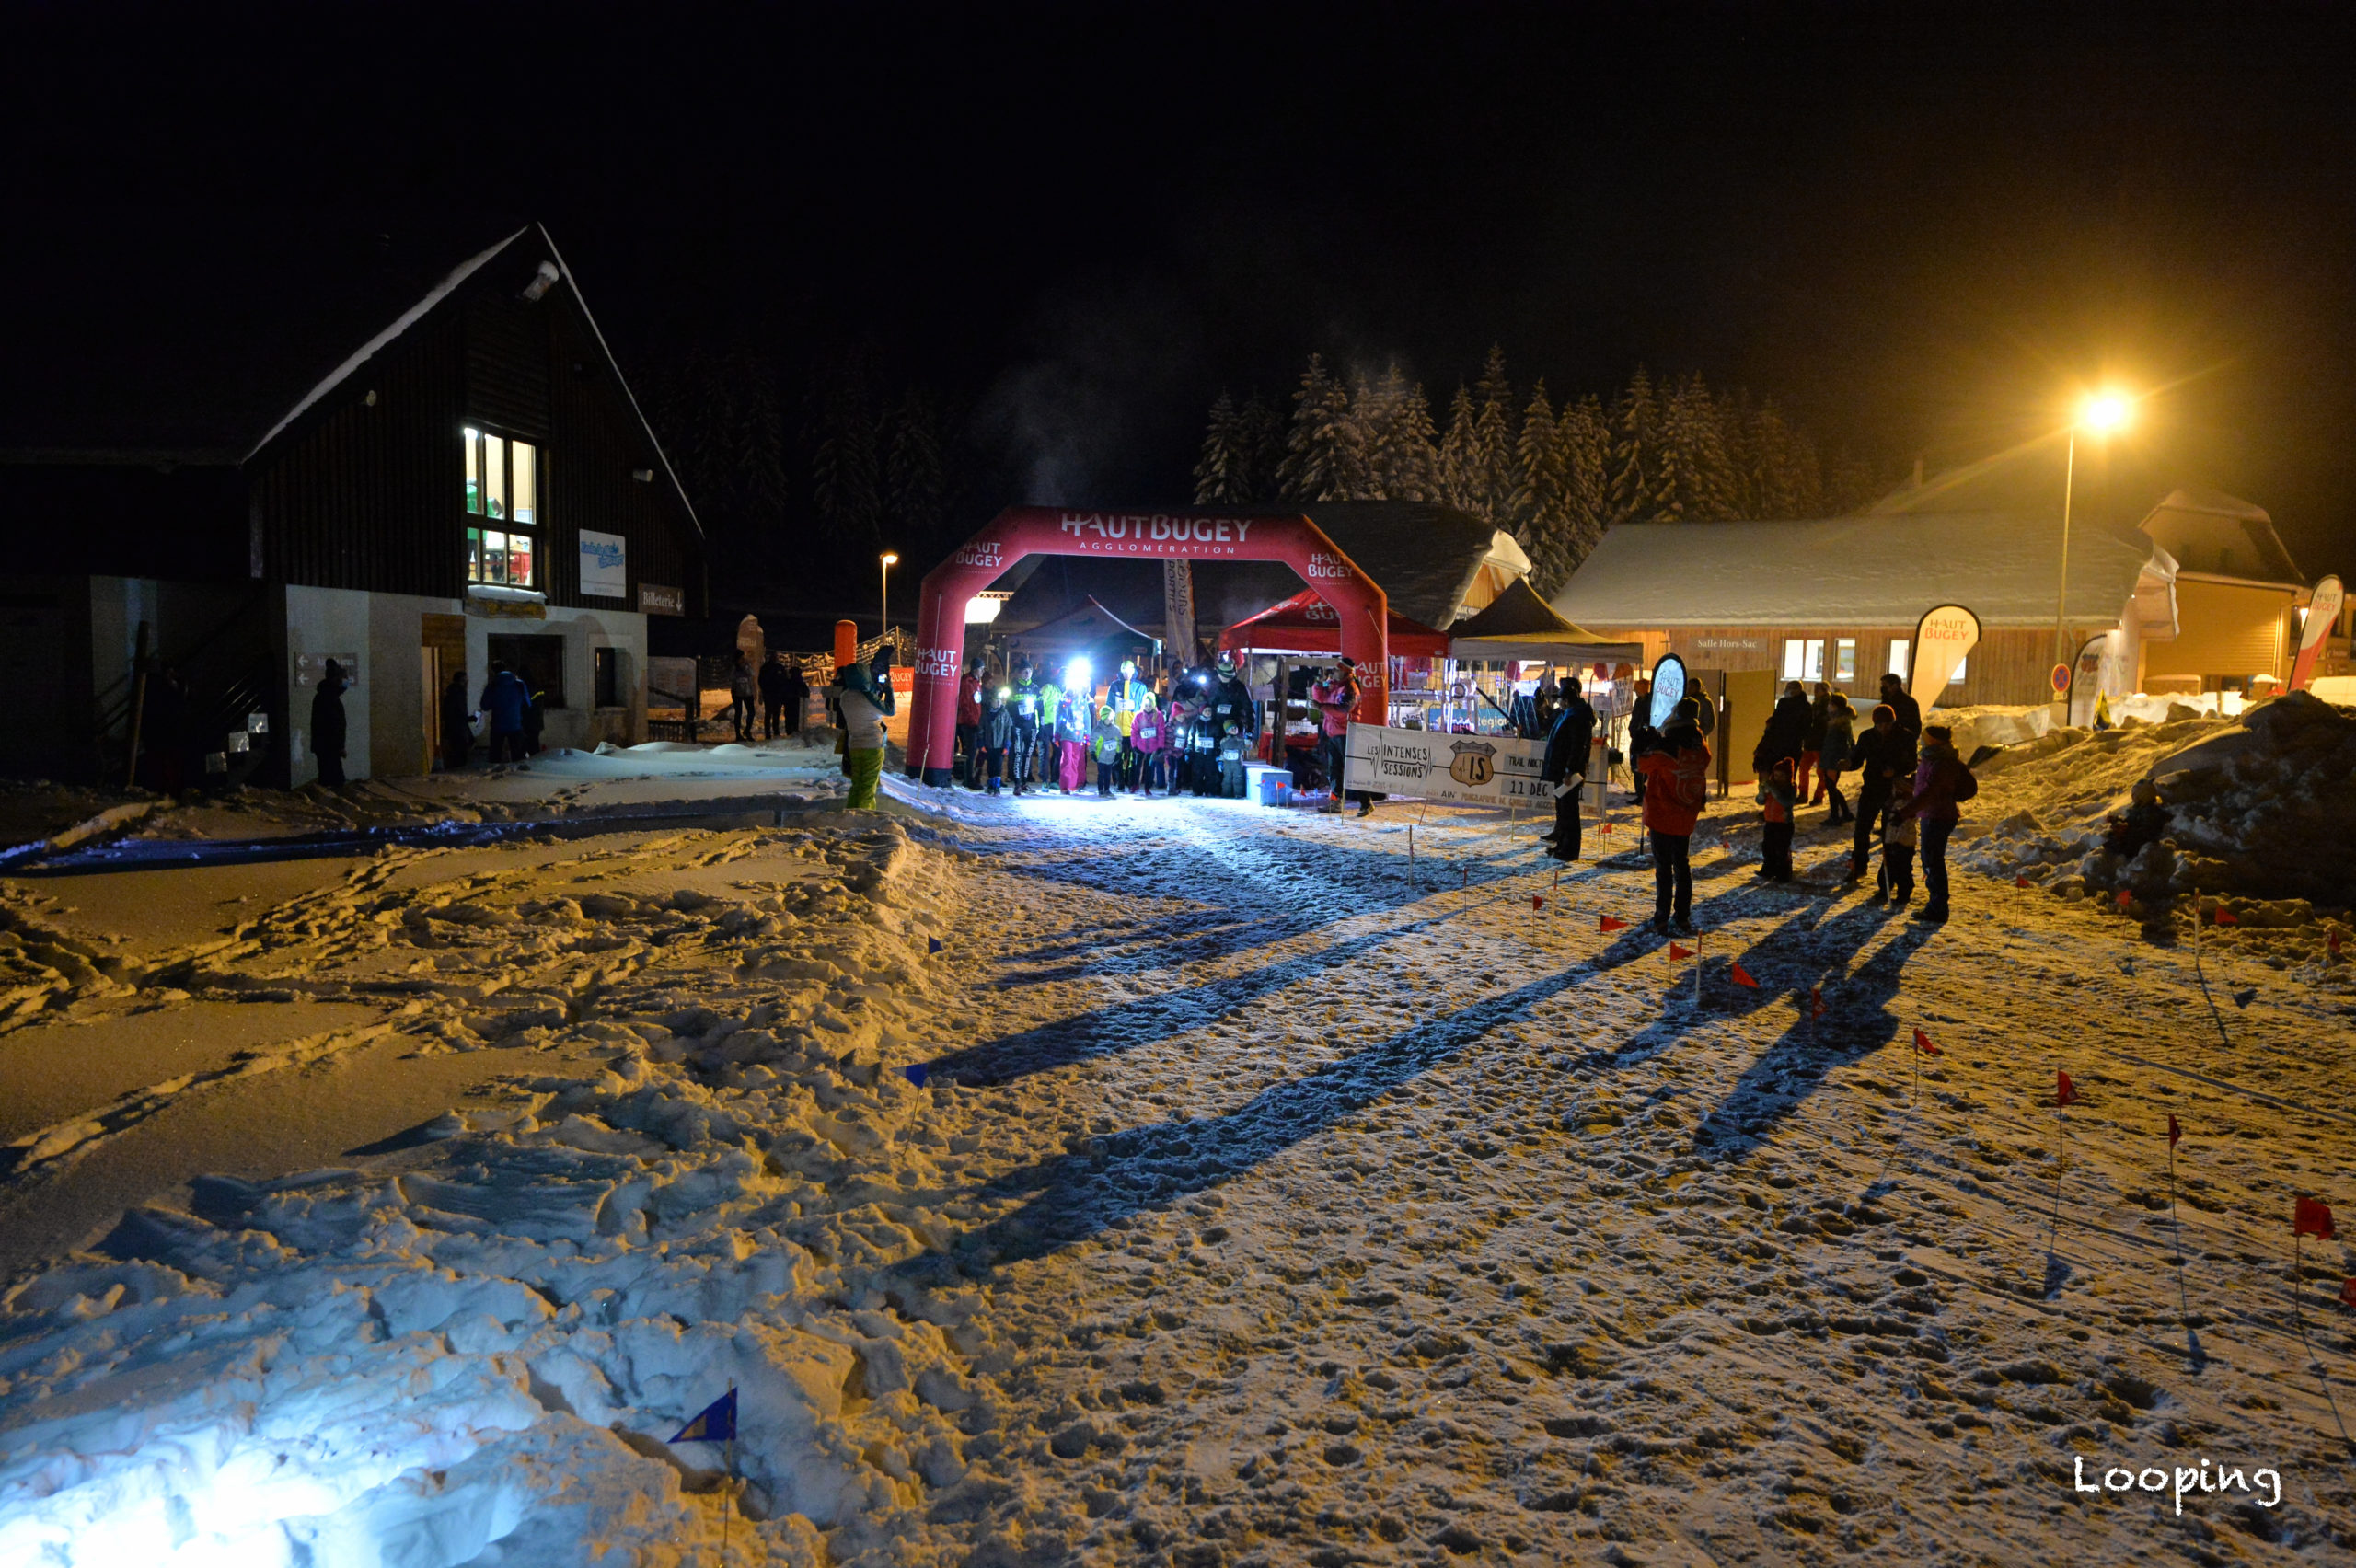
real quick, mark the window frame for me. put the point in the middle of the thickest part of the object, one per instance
(1901, 651)
(1844, 659)
(482, 489)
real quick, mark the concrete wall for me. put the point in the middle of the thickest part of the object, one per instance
(579, 723)
(332, 623)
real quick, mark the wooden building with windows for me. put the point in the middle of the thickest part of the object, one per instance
(1838, 600)
(233, 452)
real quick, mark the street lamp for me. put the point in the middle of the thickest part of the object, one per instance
(890, 560)
(2100, 414)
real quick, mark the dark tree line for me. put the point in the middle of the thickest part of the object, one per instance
(1555, 476)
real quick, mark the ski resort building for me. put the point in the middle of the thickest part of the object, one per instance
(227, 457)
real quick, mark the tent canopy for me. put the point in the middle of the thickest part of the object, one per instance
(1307, 624)
(1081, 631)
(1520, 625)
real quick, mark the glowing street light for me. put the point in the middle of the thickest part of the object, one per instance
(890, 560)
(2100, 414)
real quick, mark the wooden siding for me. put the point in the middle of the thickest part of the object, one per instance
(2226, 630)
(371, 496)
(2009, 667)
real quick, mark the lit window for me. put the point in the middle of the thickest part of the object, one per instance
(1815, 659)
(503, 478)
(1795, 657)
(1898, 647)
(1844, 660)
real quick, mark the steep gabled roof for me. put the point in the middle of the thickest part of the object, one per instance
(201, 338)
(1853, 571)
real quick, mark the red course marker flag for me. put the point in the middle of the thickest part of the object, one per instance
(1741, 976)
(1923, 1043)
(1538, 901)
(1676, 952)
(1607, 925)
(2124, 897)
(2312, 1217)
(2226, 917)
(2175, 1132)
(2064, 1091)
(2020, 882)
(2347, 1293)
(1814, 1003)
(2333, 944)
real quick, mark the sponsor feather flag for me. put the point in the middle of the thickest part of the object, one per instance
(2064, 1091)
(1680, 952)
(2312, 1217)
(2176, 1134)
(716, 1423)
(1607, 925)
(1923, 1043)
(1741, 976)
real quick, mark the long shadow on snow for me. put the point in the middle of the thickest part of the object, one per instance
(1109, 1030)
(1073, 1195)
(1794, 1065)
(1236, 885)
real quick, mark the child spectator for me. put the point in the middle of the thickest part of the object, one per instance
(1778, 798)
(1894, 881)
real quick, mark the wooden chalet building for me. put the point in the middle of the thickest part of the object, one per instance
(235, 454)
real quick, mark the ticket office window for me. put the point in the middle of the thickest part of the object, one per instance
(504, 521)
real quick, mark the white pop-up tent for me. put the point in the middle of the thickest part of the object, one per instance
(1518, 624)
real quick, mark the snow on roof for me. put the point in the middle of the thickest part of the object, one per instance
(1853, 571)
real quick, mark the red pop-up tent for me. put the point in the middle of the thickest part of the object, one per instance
(1307, 624)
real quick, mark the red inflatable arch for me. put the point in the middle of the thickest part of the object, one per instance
(1021, 531)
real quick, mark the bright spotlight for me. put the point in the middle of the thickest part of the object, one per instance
(2105, 412)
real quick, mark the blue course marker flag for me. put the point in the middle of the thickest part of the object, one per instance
(932, 944)
(917, 1072)
(716, 1423)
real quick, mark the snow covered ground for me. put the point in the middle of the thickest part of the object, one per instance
(1268, 1196)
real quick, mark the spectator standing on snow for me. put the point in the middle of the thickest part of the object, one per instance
(1231, 703)
(535, 711)
(797, 697)
(1779, 797)
(327, 725)
(1677, 766)
(1820, 713)
(1941, 784)
(1786, 734)
(1906, 712)
(1884, 756)
(772, 685)
(505, 698)
(1641, 735)
(1839, 737)
(995, 734)
(1233, 750)
(744, 691)
(865, 699)
(969, 725)
(1336, 700)
(1565, 768)
(1894, 881)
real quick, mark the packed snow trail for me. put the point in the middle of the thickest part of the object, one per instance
(1265, 1199)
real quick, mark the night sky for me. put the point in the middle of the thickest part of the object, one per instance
(1921, 227)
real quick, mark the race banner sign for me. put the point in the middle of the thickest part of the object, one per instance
(1433, 765)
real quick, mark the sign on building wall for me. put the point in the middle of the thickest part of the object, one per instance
(605, 565)
(660, 599)
(1434, 764)
(309, 667)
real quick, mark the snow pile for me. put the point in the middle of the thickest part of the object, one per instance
(2260, 809)
(469, 1350)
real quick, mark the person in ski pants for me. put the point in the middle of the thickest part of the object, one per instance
(1677, 774)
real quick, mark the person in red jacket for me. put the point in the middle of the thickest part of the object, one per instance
(1677, 786)
(969, 721)
(1336, 700)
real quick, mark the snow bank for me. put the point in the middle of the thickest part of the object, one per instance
(471, 1349)
(2261, 809)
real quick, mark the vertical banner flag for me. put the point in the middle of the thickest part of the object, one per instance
(1178, 608)
(1942, 638)
(1669, 687)
(2323, 613)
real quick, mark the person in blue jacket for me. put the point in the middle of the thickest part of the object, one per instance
(505, 698)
